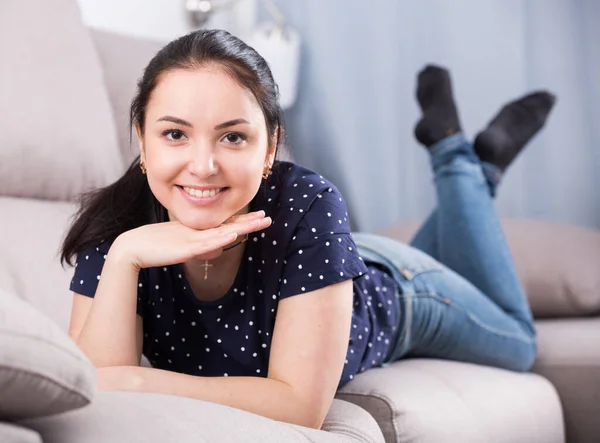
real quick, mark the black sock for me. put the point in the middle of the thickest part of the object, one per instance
(511, 129)
(434, 94)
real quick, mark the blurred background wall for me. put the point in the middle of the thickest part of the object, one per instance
(355, 110)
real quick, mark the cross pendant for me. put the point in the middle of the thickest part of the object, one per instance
(206, 265)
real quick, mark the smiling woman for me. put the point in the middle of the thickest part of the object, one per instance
(211, 155)
(237, 276)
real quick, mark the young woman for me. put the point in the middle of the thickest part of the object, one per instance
(236, 275)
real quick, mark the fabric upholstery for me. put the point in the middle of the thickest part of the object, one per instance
(10, 433)
(426, 400)
(123, 60)
(153, 418)
(558, 264)
(58, 138)
(569, 356)
(348, 419)
(42, 372)
(30, 235)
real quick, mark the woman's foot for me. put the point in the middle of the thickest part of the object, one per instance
(434, 94)
(511, 129)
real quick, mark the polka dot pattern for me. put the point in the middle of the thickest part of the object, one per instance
(308, 247)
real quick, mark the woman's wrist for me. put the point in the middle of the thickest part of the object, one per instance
(120, 255)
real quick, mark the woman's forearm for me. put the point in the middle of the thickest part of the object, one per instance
(109, 336)
(263, 396)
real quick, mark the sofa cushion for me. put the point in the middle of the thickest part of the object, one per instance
(127, 417)
(569, 356)
(123, 61)
(58, 136)
(559, 264)
(10, 433)
(430, 401)
(29, 264)
(42, 371)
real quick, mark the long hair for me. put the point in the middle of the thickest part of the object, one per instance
(128, 203)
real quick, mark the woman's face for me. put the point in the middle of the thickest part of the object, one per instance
(205, 146)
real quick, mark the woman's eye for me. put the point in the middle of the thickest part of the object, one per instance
(235, 138)
(174, 135)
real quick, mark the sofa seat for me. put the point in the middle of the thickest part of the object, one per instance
(432, 401)
(125, 417)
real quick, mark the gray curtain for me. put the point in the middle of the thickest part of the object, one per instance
(355, 113)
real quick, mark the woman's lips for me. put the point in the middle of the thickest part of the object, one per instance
(202, 197)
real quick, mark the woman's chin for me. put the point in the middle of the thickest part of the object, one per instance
(201, 224)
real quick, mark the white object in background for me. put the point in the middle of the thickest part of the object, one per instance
(281, 49)
(235, 16)
(160, 20)
(163, 20)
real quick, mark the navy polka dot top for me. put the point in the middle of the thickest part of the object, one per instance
(307, 247)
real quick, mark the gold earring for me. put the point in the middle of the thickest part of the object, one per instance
(266, 174)
(143, 167)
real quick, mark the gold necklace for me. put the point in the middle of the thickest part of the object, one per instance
(206, 265)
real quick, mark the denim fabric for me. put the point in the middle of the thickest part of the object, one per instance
(459, 294)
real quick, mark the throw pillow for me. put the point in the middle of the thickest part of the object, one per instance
(42, 371)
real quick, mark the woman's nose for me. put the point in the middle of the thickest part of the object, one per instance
(203, 163)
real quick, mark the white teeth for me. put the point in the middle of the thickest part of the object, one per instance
(202, 194)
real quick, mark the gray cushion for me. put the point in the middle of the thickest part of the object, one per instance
(58, 136)
(431, 401)
(569, 356)
(42, 372)
(126, 417)
(10, 433)
(559, 264)
(29, 266)
(123, 60)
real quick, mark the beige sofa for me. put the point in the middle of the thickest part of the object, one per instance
(63, 130)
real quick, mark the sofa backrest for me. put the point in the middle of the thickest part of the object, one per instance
(123, 60)
(62, 132)
(57, 132)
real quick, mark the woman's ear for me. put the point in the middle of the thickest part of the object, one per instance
(271, 156)
(272, 149)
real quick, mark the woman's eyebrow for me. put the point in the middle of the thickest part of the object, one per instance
(179, 121)
(237, 121)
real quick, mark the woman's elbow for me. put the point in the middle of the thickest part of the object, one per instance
(312, 416)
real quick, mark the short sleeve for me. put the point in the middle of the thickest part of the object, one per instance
(322, 251)
(88, 271)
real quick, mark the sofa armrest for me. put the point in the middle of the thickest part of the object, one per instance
(123, 60)
(12, 433)
(133, 417)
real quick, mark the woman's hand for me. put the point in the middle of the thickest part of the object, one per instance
(163, 244)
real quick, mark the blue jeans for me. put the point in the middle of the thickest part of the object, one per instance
(459, 294)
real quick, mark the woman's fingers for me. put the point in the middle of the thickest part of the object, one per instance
(243, 227)
(211, 243)
(216, 238)
(248, 216)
